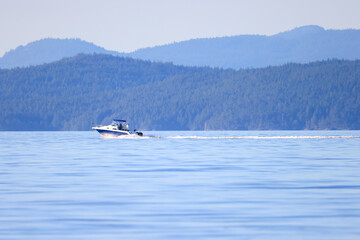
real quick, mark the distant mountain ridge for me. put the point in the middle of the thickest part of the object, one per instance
(49, 50)
(300, 45)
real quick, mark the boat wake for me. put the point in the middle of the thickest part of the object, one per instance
(259, 137)
(226, 137)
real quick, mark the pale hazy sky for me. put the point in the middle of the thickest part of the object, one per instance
(126, 25)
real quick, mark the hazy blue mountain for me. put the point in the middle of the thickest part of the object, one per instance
(48, 50)
(300, 45)
(73, 93)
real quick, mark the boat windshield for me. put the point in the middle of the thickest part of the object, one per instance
(120, 125)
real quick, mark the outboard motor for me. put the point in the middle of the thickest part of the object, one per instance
(138, 133)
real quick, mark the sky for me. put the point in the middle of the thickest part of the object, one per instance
(127, 25)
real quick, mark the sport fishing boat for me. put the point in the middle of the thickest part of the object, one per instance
(117, 128)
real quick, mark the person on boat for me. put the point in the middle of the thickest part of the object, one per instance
(120, 127)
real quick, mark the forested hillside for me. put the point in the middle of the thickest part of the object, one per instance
(74, 93)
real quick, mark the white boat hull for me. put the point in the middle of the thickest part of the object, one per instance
(115, 133)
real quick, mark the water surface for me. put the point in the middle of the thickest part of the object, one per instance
(180, 185)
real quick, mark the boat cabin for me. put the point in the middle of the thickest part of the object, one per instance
(120, 125)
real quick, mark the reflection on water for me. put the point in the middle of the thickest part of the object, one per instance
(180, 185)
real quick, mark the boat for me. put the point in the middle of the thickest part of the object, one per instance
(117, 128)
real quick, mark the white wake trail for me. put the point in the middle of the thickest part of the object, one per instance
(224, 137)
(258, 137)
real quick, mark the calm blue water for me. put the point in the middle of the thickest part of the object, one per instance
(180, 185)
